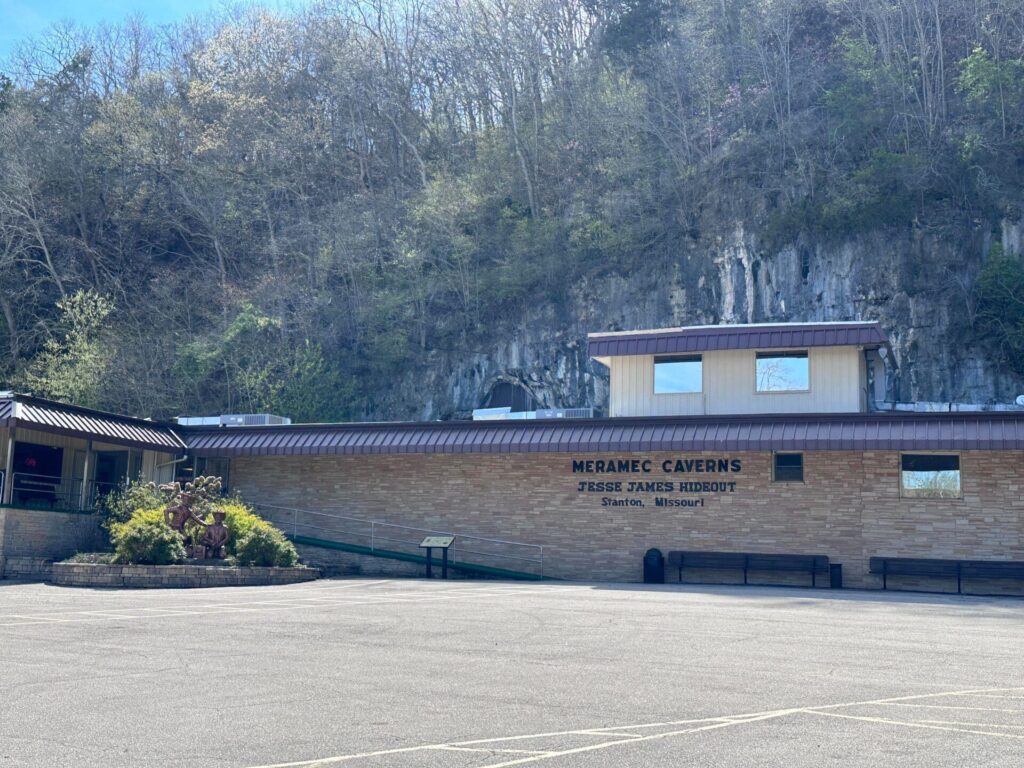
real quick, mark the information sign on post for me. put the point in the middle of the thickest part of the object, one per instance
(437, 542)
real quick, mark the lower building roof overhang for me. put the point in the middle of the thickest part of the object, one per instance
(987, 431)
(39, 415)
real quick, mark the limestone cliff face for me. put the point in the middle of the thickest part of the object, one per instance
(920, 287)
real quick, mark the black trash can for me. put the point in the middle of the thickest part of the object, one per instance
(835, 575)
(654, 567)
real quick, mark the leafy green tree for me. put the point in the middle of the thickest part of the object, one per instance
(74, 368)
(1001, 306)
(304, 210)
(992, 85)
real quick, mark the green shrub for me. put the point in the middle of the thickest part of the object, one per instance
(264, 545)
(240, 520)
(121, 503)
(146, 539)
(102, 558)
(1000, 289)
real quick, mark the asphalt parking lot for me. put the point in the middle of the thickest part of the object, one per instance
(414, 674)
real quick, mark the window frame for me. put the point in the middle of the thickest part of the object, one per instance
(803, 467)
(698, 358)
(916, 497)
(804, 354)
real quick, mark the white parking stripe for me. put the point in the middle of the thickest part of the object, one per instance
(610, 733)
(622, 734)
(651, 737)
(915, 724)
(979, 725)
(948, 706)
(492, 750)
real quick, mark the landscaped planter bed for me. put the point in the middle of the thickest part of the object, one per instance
(174, 576)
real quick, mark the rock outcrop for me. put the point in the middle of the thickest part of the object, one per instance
(919, 286)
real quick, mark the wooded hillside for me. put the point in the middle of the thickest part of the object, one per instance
(294, 213)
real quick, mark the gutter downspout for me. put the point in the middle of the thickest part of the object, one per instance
(170, 463)
(869, 383)
(7, 492)
(87, 468)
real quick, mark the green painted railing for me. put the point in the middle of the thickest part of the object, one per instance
(420, 559)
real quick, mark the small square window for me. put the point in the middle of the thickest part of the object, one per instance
(788, 468)
(678, 375)
(930, 475)
(783, 372)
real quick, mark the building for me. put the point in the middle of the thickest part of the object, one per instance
(759, 438)
(56, 460)
(744, 369)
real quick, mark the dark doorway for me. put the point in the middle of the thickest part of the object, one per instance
(111, 471)
(37, 474)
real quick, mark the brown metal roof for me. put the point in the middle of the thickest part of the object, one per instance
(719, 337)
(48, 416)
(825, 432)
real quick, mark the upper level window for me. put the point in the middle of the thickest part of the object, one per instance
(677, 374)
(783, 372)
(930, 475)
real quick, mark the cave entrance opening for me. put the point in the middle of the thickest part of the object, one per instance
(507, 394)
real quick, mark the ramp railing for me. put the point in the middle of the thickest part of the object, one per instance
(382, 537)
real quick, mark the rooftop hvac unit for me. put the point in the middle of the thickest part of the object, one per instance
(578, 413)
(253, 420)
(199, 421)
(492, 414)
(565, 413)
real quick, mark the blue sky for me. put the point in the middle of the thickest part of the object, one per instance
(20, 19)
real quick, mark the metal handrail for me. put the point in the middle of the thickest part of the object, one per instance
(65, 491)
(370, 531)
(53, 491)
(58, 478)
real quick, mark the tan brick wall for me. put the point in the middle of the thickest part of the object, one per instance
(43, 534)
(849, 507)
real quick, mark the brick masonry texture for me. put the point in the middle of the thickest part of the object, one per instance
(334, 563)
(174, 576)
(848, 508)
(45, 535)
(28, 568)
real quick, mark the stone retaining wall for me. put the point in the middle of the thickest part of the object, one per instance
(174, 576)
(33, 568)
(44, 533)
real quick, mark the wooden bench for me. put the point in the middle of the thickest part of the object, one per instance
(814, 565)
(939, 568)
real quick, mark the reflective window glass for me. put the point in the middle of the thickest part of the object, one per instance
(929, 475)
(783, 372)
(677, 374)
